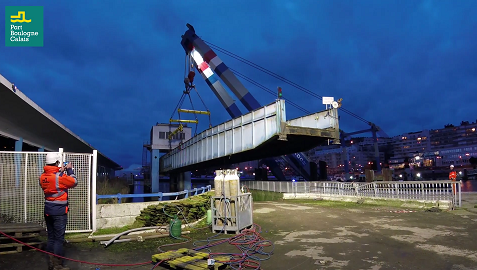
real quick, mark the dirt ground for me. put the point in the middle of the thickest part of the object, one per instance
(316, 235)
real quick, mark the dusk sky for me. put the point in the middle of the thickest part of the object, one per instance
(109, 70)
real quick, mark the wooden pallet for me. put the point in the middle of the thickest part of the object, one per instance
(188, 259)
(25, 232)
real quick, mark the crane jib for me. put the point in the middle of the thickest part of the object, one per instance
(211, 67)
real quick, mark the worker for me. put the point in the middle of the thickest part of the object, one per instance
(55, 182)
(453, 177)
(452, 173)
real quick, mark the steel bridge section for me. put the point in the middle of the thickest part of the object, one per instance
(261, 133)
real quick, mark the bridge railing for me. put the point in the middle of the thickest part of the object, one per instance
(186, 193)
(415, 190)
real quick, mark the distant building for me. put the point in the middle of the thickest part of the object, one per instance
(360, 153)
(454, 136)
(160, 136)
(458, 156)
(437, 147)
(408, 144)
(160, 144)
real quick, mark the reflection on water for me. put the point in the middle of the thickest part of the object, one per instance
(470, 185)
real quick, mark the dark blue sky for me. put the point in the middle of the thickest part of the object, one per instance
(109, 70)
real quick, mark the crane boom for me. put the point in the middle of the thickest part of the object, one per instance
(194, 43)
(208, 63)
(213, 82)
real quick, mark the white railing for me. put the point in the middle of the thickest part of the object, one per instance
(22, 200)
(415, 190)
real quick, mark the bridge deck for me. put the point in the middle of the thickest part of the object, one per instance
(255, 135)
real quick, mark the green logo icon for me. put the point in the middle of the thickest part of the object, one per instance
(24, 26)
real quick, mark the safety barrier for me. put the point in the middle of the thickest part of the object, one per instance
(416, 190)
(160, 195)
(22, 200)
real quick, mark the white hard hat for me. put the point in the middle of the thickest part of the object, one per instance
(52, 158)
(451, 166)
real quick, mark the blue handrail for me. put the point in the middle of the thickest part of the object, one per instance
(186, 192)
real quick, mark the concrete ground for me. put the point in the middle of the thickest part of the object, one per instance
(320, 235)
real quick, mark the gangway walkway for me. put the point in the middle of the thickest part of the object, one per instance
(261, 133)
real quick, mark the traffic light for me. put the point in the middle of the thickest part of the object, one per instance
(279, 92)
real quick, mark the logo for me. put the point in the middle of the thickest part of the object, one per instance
(21, 15)
(24, 26)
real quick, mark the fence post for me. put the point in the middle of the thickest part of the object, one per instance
(186, 193)
(422, 189)
(119, 198)
(25, 190)
(18, 160)
(60, 150)
(94, 200)
(460, 193)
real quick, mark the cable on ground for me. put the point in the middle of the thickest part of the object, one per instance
(69, 259)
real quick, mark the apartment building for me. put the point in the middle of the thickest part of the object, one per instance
(454, 136)
(437, 147)
(409, 144)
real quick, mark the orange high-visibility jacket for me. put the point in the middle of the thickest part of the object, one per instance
(453, 175)
(55, 185)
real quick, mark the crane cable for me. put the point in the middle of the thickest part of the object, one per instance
(303, 89)
(267, 90)
(179, 105)
(188, 81)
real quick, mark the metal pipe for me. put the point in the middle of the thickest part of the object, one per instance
(184, 121)
(193, 111)
(129, 231)
(141, 237)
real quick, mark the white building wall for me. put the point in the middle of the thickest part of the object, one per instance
(160, 136)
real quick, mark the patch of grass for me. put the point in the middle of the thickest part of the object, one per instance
(191, 209)
(262, 195)
(115, 230)
(475, 206)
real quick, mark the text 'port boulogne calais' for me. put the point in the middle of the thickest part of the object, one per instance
(18, 35)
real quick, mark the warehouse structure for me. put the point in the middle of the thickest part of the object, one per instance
(24, 126)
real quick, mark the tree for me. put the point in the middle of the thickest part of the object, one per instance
(473, 161)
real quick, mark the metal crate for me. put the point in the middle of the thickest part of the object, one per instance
(231, 214)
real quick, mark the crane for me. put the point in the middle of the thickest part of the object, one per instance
(374, 129)
(211, 68)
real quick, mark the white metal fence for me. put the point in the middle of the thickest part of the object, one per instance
(22, 200)
(415, 190)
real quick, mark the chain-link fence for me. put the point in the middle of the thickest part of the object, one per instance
(22, 199)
